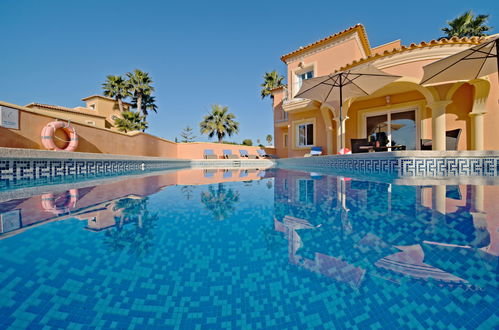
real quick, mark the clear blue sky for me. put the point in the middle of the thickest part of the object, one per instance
(198, 52)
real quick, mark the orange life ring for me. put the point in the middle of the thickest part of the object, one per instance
(49, 202)
(48, 136)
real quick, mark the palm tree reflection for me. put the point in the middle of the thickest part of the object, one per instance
(220, 201)
(137, 239)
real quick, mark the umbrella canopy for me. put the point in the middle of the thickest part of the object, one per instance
(474, 62)
(334, 88)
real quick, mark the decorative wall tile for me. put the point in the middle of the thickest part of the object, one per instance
(22, 172)
(403, 166)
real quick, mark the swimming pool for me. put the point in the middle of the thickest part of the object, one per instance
(247, 248)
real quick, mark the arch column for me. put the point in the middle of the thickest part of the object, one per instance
(438, 124)
(479, 109)
(340, 138)
(326, 116)
(477, 130)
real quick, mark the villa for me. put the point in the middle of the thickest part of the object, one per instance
(407, 112)
(99, 111)
(105, 226)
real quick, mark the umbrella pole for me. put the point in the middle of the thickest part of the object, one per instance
(341, 115)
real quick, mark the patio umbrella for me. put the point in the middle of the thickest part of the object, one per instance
(474, 62)
(334, 88)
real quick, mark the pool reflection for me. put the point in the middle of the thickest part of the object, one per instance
(344, 229)
(339, 227)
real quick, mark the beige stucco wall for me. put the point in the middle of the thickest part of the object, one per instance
(99, 140)
(105, 107)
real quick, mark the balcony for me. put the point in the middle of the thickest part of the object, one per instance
(299, 105)
(295, 104)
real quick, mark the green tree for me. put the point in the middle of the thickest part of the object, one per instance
(148, 104)
(269, 139)
(131, 121)
(187, 135)
(140, 86)
(117, 88)
(467, 25)
(247, 142)
(219, 122)
(271, 80)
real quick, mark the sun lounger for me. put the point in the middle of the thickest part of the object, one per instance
(229, 155)
(314, 151)
(263, 154)
(245, 154)
(209, 154)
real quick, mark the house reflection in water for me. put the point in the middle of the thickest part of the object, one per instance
(106, 205)
(345, 228)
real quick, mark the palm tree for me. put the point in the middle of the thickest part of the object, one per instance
(140, 86)
(131, 121)
(269, 139)
(467, 25)
(219, 122)
(271, 80)
(148, 103)
(117, 88)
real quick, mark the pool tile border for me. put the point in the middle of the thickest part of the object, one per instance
(415, 164)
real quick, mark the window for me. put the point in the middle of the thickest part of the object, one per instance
(92, 106)
(285, 140)
(304, 76)
(305, 136)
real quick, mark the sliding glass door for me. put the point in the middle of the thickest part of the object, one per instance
(396, 128)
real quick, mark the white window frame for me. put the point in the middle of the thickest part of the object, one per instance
(297, 130)
(296, 73)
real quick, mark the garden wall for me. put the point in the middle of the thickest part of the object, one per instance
(99, 140)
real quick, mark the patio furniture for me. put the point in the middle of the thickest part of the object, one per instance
(263, 154)
(209, 154)
(451, 140)
(245, 154)
(396, 147)
(229, 155)
(361, 145)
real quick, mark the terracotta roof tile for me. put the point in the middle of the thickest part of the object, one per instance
(412, 46)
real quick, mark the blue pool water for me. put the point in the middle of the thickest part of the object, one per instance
(251, 249)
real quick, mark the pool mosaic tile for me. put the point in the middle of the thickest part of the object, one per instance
(290, 250)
